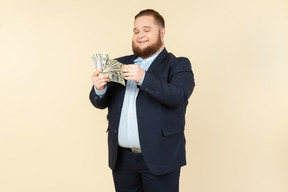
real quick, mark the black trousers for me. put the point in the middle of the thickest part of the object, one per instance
(132, 175)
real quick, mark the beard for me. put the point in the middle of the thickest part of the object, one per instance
(149, 50)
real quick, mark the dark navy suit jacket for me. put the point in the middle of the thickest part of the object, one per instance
(160, 105)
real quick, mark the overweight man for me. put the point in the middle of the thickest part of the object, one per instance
(146, 118)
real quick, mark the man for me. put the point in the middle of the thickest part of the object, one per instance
(147, 117)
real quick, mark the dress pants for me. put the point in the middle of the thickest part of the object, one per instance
(132, 175)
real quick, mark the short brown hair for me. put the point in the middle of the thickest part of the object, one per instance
(150, 12)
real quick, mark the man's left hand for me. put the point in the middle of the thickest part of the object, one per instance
(133, 72)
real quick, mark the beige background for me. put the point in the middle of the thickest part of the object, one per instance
(53, 140)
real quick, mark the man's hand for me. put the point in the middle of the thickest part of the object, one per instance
(133, 72)
(99, 81)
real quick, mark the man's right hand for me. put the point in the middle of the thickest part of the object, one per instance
(99, 81)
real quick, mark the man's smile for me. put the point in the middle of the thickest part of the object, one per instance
(142, 41)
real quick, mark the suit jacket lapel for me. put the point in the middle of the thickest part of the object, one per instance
(158, 60)
(131, 60)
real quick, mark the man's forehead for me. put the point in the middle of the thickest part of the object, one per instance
(144, 27)
(146, 20)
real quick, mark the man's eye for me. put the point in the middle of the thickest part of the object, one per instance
(136, 32)
(147, 31)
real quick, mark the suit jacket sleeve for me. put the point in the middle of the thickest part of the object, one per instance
(96, 101)
(177, 90)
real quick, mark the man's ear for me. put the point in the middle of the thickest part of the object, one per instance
(162, 32)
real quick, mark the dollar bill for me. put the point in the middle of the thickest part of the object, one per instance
(100, 60)
(110, 67)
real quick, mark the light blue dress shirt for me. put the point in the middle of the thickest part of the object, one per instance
(128, 135)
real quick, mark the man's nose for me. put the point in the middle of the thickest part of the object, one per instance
(141, 35)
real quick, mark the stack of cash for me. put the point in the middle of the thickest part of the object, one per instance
(110, 67)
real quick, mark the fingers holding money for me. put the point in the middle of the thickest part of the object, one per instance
(110, 68)
(133, 72)
(98, 80)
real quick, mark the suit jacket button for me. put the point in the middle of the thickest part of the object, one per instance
(115, 131)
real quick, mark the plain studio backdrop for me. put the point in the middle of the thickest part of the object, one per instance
(53, 140)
